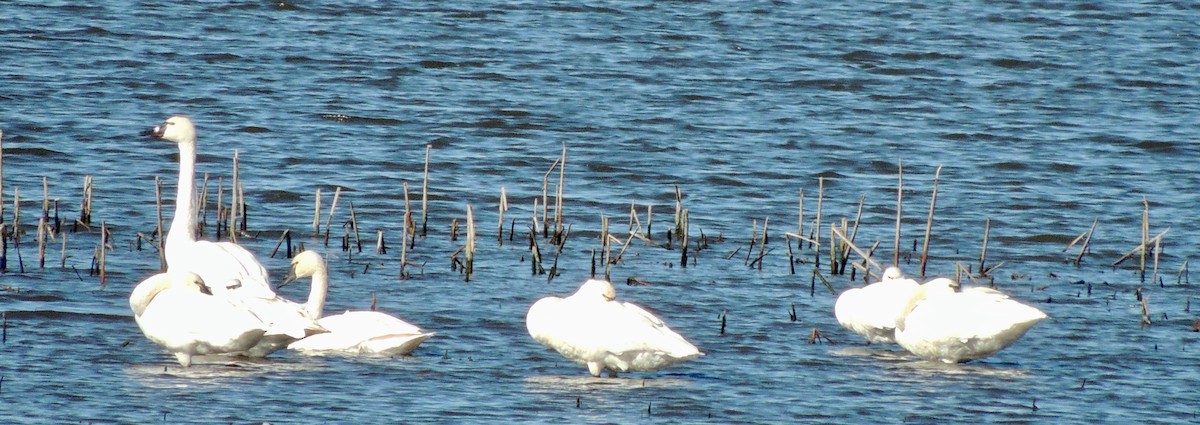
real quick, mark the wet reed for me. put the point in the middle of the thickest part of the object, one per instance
(929, 222)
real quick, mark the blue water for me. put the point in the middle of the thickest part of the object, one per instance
(1043, 116)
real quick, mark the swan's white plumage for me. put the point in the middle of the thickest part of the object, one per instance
(352, 332)
(229, 270)
(873, 311)
(591, 328)
(174, 312)
(952, 327)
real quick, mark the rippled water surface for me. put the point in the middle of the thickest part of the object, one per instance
(1044, 118)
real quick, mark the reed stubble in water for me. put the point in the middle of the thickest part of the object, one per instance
(929, 222)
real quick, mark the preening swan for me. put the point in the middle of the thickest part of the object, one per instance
(873, 311)
(591, 328)
(176, 311)
(229, 270)
(354, 332)
(954, 327)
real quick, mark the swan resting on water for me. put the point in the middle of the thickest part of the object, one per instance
(178, 312)
(591, 328)
(229, 271)
(873, 311)
(352, 332)
(951, 326)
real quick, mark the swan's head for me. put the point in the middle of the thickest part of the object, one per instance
(892, 273)
(145, 292)
(596, 288)
(304, 264)
(177, 128)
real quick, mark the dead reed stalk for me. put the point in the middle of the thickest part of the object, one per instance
(559, 199)
(158, 224)
(85, 210)
(233, 201)
(470, 247)
(500, 221)
(425, 194)
(1086, 237)
(332, 207)
(899, 211)
(317, 214)
(929, 222)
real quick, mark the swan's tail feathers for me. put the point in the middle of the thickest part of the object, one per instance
(396, 344)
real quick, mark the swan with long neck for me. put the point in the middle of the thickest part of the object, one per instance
(591, 328)
(176, 311)
(352, 332)
(230, 271)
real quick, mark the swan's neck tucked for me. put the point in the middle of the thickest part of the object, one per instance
(316, 294)
(183, 224)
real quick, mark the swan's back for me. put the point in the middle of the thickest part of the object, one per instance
(228, 269)
(364, 332)
(604, 334)
(967, 325)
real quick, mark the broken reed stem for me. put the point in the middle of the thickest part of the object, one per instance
(470, 247)
(987, 230)
(282, 237)
(799, 226)
(753, 241)
(1146, 310)
(500, 221)
(233, 201)
(817, 224)
(605, 246)
(762, 245)
(202, 219)
(85, 210)
(929, 222)
(1086, 242)
(63, 257)
(899, 211)
(425, 195)
(545, 199)
(103, 250)
(1141, 247)
(158, 229)
(683, 238)
(1183, 277)
(354, 224)
(856, 249)
(43, 227)
(558, 202)
(317, 214)
(409, 225)
(332, 207)
(380, 248)
(404, 232)
(1145, 235)
(1157, 245)
(535, 263)
(221, 212)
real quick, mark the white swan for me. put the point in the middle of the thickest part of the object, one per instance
(229, 270)
(354, 332)
(953, 327)
(591, 328)
(873, 311)
(176, 311)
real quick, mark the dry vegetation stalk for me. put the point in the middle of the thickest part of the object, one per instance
(425, 194)
(929, 222)
(233, 201)
(899, 211)
(158, 225)
(317, 214)
(470, 247)
(987, 230)
(558, 202)
(332, 207)
(500, 221)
